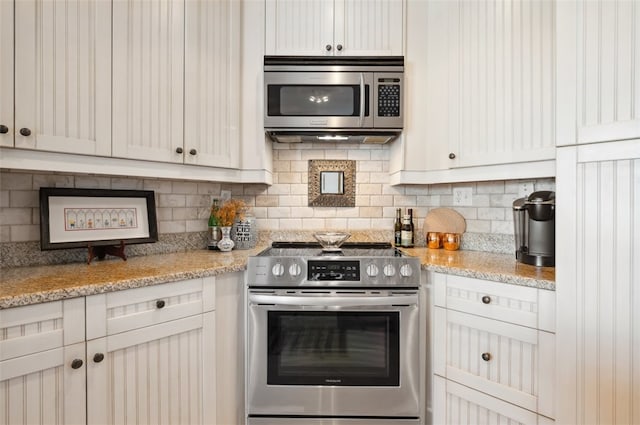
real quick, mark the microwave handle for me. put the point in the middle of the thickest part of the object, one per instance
(362, 99)
(332, 301)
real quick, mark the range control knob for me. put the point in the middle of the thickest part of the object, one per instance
(406, 270)
(389, 270)
(277, 269)
(294, 270)
(372, 270)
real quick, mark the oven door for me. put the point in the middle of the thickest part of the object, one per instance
(333, 353)
(324, 100)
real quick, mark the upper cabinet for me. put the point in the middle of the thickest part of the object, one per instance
(480, 81)
(598, 68)
(176, 81)
(55, 75)
(334, 27)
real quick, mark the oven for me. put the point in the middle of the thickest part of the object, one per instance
(335, 345)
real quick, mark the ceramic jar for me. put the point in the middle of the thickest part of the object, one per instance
(225, 244)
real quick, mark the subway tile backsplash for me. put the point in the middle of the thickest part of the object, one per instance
(183, 206)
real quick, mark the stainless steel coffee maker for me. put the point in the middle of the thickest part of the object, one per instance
(535, 228)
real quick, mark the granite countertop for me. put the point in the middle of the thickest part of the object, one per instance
(32, 285)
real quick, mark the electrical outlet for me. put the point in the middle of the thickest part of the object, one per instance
(462, 196)
(525, 189)
(225, 195)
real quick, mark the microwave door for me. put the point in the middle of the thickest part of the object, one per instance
(323, 100)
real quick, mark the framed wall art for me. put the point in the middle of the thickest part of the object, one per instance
(74, 218)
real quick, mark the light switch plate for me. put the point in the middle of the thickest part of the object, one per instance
(525, 189)
(462, 196)
(225, 195)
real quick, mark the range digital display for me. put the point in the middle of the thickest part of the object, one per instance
(333, 270)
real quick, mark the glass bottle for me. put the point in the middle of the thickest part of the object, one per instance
(405, 233)
(397, 229)
(214, 228)
(410, 211)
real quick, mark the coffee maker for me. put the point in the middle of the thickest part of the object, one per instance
(535, 228)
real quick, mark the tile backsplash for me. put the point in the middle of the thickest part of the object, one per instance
(183, 206)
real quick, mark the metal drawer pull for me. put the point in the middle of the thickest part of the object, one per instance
(76, 364)
(486, 357)
(486, 299)
(160, 303)
(98, 357)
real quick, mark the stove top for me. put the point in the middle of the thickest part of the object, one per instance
(357, 264)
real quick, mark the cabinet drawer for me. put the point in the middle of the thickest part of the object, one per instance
(521, 305)
(35, 328)
(511, 362)
(458, 404)
(116, 312)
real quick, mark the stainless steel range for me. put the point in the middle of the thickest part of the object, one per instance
(333, 338)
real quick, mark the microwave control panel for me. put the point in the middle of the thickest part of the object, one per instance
(388, 97)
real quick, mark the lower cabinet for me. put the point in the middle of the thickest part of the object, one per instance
(151, 355)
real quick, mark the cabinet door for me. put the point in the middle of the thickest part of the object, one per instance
(598, 264)
(368, 27)
(44, 387)
(598, 67)
(6, 73)
(159, 374)
(148, 79)
(457, 404)
(212, 83)
(63, 76)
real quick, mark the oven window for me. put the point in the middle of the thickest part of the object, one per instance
(333, 348)
(315, 101)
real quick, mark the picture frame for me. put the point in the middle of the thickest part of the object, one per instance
(332, 183)
(80, 218)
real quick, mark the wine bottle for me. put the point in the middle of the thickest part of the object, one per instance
(410, 211)
(397, 229)
(405, 233)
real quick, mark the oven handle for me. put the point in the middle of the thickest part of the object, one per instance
(405, 300)
(362, 99)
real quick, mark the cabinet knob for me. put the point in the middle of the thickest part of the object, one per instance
(328, 47)
(452, 155)
(3, 129)
(179, 150)
(160, 303)
(339, 47)
(486, 299)
(76, 364)
(98, 357)
(193, 152)
(25, 132)
(486, 356)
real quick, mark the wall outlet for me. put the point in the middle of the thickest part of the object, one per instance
(225, 195)
(462, 196)
(525, 189)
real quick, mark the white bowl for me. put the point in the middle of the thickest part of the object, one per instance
(331, 241)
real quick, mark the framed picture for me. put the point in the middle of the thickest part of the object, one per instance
(332, 183)
(75, 218)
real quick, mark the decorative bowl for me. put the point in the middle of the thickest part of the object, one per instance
(331, 241)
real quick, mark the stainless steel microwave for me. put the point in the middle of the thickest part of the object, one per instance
(337, 99)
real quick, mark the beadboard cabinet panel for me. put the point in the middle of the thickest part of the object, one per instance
(148, 79)
(62, 76)
(598, 227)
(6, 72)
(369, 27)
(598, 68)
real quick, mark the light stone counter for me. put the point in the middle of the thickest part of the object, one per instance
(32, 285)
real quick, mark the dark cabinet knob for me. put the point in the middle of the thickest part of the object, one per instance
(160, 303)
(486, 299)
(193, 152)
(452, 155)
(98, 357)
(328, 47)
(76, 364)
(486, 357)
(339, 47)
(25, 132)
(179, 150)
(3, 129)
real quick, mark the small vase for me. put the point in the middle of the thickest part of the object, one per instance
(225, 244)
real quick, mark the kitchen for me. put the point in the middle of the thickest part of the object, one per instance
(409, 172)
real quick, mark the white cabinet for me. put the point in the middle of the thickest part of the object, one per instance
(598, 67)
(334, 27)
(176, 80)
(42, 363)
(150, 354)
(55, 86)
(598, 264)
(496, 339)
(480, 92)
